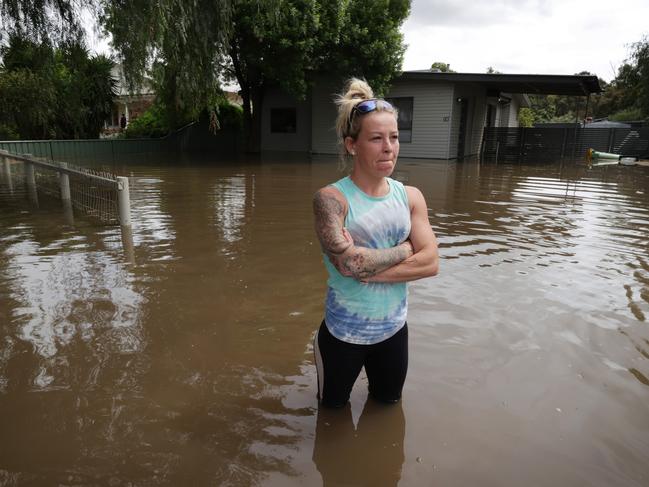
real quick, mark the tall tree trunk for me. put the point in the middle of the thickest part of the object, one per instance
(247, 116)
(257, 97)
(251, 102)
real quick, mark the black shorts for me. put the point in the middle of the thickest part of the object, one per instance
(339, 363)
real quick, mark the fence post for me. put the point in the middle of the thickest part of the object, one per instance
(66, 197)
(64, 179)
(6, 170)
(123, 201)
(497, 149)
(30, 177)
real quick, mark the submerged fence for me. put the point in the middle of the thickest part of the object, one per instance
(80, 150)
(97, 194)
(529, 145)
(192, 138)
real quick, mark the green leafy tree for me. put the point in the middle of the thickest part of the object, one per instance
(27, 105)
(441, 67)
(53, 93)
(633, 80)
(626, 97)
(628, 114)
(526, 117)
(28, 88)
(86, 91)
(368, 41)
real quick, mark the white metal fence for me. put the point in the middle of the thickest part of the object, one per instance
(97, 194)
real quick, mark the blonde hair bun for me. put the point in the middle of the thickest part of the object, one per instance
(355, 91)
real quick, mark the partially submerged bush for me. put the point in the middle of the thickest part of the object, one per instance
(152, 123)
(228, 117)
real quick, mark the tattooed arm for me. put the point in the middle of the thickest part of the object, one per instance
(425, 261)
(330, 208)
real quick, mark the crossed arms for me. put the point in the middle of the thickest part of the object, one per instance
(413, 259)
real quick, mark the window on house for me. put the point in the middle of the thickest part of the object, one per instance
(283, 120)
(404, 121)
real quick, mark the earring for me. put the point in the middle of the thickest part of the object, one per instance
(353, 153)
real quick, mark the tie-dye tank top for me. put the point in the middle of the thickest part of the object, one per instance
(369, 313)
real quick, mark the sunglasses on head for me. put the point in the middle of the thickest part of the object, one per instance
(367, 106)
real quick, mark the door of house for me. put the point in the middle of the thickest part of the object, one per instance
(464, 108)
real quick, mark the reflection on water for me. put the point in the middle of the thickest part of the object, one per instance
(230, 204)
(348, 455)
(64, 292)
(154, 228)
(188, 360)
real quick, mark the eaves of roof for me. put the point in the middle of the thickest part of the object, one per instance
(531, 84)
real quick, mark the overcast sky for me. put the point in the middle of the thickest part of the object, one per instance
(518, 36)
(525, 36)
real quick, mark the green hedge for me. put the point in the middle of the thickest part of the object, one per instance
(153, 122)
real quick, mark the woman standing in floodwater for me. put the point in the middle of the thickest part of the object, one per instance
(375, 235)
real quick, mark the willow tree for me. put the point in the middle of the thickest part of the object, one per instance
(52, 21)
(183, 45)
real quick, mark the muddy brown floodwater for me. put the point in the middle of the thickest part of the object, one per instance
(529, 353)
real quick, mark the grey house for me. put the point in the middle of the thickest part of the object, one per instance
(441, 115)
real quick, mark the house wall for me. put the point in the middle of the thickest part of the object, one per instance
(324, 112)
(435, 126)
(431, 121)
(300, 141)
(432, 107)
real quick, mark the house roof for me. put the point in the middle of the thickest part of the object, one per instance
(532, 84)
